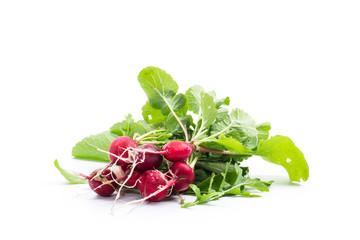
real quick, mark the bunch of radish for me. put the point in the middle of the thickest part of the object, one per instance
(156, 156)
(136, 167)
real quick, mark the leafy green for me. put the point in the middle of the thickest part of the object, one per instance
(222, 138)
(239, 125)
(129, 127)
(161, 91)
(263, 130)
(223, 143)
(193, 95)
(222, 101)
(228, 182)
(89, 147)
(282, 150)
(158, 86)
(208, 113)
(219, 167)
(70, 176)
(172, 124)
(152, 115)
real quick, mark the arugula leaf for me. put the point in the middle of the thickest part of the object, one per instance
(70, 176)
(88, 147)
(281, 150)
(229, 182)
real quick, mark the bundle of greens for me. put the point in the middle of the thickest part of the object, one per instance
(221, 139)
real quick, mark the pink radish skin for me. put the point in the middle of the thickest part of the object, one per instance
(152, 181)
(150, 160)
(177, 151)
(119, 147)
(184, 175)
(96, 181)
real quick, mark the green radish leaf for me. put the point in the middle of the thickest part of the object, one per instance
(223, 101)
(263, 130)
(193, 95)
(69, 175)
(152, 115)
(229, 182)
(88, 148)
(129, 127)
(231, 144)
(172, 125)
(161, 91)
(158, 86)
(208, 111)
(281, 150)
(238, 125)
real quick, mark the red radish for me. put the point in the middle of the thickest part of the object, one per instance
(148, 159)
(184, 175)
(133, 180)
(119, 149)
(98, 182)
(177, 150)
(154, 182)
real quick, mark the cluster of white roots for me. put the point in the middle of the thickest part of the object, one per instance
(117, 175)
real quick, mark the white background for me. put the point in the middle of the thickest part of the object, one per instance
(69, 69)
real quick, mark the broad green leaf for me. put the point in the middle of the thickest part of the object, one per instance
(158, 86)
(244, 128)
(193, 95)
(208, 113)
(129, 127)
(161, 91)
(176, 103)
(238, 125)
(69, 175)
(212, 144)
(224, 143)
(219, 102)
(263, 130)
(172, 125)
(88, 148)
(208, 110)
(152, 115)
(281, 150)
(231, 144)
(223, 101)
